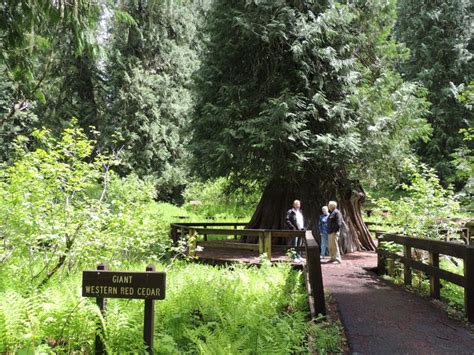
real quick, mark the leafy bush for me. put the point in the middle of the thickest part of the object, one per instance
(424, 206)
(61, 208)
(134, 228)
(463, 161)
(49, 216)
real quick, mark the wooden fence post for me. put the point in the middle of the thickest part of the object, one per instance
(100, 332)
(174, 234)
(434, 281)
(390, 266)
(470, 232)
(469, 286)
(268, 244)
(205, 235)
(149, 320)
(235, 228)
(192, 242)
(380, 258)
(261, 243)
(407, 269)
(315, 278)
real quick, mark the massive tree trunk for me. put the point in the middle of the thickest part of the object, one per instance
(314, 193)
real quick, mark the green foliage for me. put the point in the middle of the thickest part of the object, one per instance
(463, 160)
(392, 247)
(423, 207)
(62, 208)
(72, 59)
(327, 337)
(218, 199)
(135, 227)
(44, 45)
(291, 88)
(466, 95)
(439, 37)
(12, 122)
(207, 310)
(152, 54)
(47, 213)
(452, 293)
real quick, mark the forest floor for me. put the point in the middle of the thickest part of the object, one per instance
(381, 318)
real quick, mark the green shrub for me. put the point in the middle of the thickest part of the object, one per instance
(61, 208)
(423, 208)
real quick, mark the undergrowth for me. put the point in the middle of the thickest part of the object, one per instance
(451, 294)
(207, 310)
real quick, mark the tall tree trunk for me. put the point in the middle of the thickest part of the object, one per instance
(314, 193)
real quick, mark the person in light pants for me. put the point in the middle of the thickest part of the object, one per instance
(334, 226)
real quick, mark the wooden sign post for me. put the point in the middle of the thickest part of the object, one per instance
(103, 284)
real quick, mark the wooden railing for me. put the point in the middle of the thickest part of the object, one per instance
(312, 268)
(177, 227)
(434, 248)
(264, 236)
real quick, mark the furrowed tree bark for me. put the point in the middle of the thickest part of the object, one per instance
(313, 193)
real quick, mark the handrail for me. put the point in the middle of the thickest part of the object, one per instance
(313, 274)
(435, 248)
(211, 224)
(217, 231)
(277, 233)
(438, 246)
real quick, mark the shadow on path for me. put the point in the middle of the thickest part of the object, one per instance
(384, 319)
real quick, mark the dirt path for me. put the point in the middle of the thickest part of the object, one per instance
(384, 319)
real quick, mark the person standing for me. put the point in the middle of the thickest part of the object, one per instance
(334, 226)
(295, 221)
(323, 231)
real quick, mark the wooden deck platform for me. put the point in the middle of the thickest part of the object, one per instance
(212, 253)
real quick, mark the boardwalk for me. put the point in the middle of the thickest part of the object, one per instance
(384, 319)
(218, 256)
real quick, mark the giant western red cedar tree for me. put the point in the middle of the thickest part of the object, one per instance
(302, 96)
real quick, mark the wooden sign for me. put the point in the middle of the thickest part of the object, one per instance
(103, 284)
(122, 284)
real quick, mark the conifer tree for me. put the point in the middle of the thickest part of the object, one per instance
(151, 58)
(302, 96)
(440, 38)
(48, 50)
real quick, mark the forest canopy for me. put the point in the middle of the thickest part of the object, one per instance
(250, 90)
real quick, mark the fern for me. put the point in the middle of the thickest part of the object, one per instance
(208, 310)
